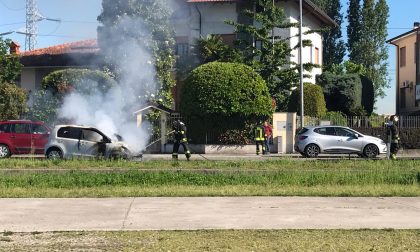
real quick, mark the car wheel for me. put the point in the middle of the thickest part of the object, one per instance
(54, 154)
(371, 151)
(312, 151)
(4, 151)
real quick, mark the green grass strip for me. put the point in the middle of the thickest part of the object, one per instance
(216, 240)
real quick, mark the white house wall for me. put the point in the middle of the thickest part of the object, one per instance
(308, 54)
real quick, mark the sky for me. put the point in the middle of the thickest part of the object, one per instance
(79, 22)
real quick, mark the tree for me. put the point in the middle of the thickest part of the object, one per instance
(212, 48)
(354, 28)
(269, 55)
(342, 93)
(334, 48)
(9, 64)
(367, 41)
(130, 31)
(12, 102)
(314, 101)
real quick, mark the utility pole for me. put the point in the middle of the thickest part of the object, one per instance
(301, 66)
(32, 18)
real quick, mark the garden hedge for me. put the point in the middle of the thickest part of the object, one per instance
(314, 101)
(12, 102)
(44, 103)
(218, 92)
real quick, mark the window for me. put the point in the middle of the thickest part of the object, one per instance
(69, 132)
(20, 128)
(92, 136)
(182, 49)
(317, 56)
(39, 129)
(402, 56)
(302, 131)
(4, 128)
(325, 131)
(344, 132)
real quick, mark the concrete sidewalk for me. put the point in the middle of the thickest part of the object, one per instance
(28, 215)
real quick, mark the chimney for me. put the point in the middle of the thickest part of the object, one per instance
(416, 25)
(14, 48)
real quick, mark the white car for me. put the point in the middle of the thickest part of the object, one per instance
(312, 141)
(72, 141)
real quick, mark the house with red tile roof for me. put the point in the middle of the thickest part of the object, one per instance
(192, 19)
(39, 63)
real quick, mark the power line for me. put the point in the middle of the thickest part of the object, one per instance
(9, 8)
(12, 23)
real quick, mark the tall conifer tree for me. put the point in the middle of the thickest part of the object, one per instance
(354, 18)
(334, 47)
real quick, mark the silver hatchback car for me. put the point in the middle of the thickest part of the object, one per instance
(312, 141)
(72, 141)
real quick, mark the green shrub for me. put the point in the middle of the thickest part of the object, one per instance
(368, 95)
(12, 102)
(59, 83)
(218, 97)
(342, 92)
(225, 89)
(314, 101)
(84, 80)
(335, 117)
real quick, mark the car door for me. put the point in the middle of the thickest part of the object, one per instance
(69, 138)
(91, 143)
(40, 135)
(348, 141)
(326, 138)
(20, 137)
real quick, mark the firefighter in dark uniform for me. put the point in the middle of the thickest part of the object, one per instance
(259, 137)
(393, 136)
(180, 138)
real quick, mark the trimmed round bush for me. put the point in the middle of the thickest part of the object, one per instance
(221, 101)
(225, 89)
(44, 103)
(83, 80)
(314, 101)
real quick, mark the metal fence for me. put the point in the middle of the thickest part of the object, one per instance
(405, 122)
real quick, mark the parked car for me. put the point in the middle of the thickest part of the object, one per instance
(22, 137)
(312, 141)
(73, 141)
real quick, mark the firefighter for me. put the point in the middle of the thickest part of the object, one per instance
(259, 137)
(393, 136)
(180, 137)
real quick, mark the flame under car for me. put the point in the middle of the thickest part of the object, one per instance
(72, 141)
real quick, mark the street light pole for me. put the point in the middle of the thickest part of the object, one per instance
(301, 66)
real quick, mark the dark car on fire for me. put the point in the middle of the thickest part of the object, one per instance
(73, 141)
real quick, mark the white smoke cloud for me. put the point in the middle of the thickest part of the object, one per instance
(113, 112)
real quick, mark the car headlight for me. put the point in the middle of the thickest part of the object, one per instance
(383, 142)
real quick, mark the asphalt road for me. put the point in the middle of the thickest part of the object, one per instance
(29, 215)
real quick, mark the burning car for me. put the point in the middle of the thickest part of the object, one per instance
(70, 141)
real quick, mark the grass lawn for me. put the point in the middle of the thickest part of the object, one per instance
(43, 178)
(215, 240)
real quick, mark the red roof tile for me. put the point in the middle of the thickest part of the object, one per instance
(85, 46)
